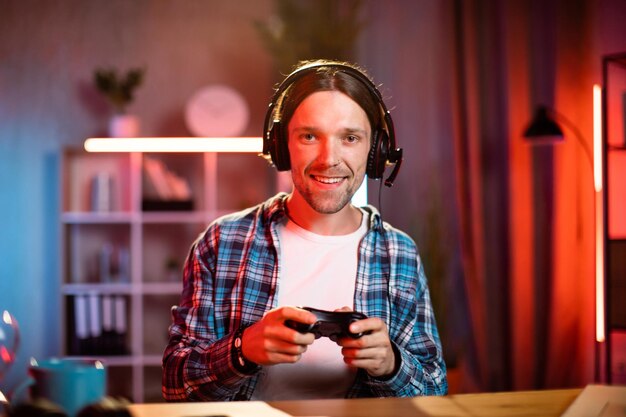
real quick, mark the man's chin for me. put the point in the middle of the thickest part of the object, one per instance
(330, 205)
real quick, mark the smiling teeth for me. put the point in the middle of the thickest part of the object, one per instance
(327, 180)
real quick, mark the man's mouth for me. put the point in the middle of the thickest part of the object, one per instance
(327, 180)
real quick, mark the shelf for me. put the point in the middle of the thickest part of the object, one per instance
(122, 360)
(127, 360)
(162, 288)
(111, 236)
(90, 217)
(99, 288)
(176, 217)
(86, 217)
(152, 360)
(152, 288)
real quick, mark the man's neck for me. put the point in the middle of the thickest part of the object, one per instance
(343, 222)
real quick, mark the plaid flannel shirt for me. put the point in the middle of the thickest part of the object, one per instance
(231, 278)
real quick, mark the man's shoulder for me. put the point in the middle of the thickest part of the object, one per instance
(238, 226)
(399, 235)
(402, 242)
(377, 224)
(263, 212)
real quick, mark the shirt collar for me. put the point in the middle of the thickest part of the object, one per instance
(276, 211)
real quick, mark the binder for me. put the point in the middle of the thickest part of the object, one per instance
(120, 327)
(81, 318)
(95, 324)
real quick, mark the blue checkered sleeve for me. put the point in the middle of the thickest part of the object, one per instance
(197, 363)
(394, 287)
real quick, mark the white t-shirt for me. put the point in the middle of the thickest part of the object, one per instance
(315, 271)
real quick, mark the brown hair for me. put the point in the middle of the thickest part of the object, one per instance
(329, 76)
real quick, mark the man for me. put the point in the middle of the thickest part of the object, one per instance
(251, 271)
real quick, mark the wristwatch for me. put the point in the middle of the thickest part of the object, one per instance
(239, 361)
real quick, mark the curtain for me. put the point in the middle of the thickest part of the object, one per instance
(525, 212)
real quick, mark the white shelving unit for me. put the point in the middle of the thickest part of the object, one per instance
(220, 183)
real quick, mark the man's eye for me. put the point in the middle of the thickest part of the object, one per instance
(308, 136)
(352, 138)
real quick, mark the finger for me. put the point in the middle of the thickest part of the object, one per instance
(297, 314)
(280, 346)
(276, 358)
(368, 364)
(357, 357)
(371, 359)
(372, 324)
(352, 343)
(363, 353)
(373, 340)
(295, 337)
(344, 308)
(280, 332)
(377, 366)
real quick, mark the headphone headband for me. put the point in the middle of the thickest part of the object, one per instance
(383, 149)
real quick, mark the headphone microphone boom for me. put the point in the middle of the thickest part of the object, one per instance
(395, 158)
(383, 150)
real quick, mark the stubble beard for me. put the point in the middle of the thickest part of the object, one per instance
(327, 202)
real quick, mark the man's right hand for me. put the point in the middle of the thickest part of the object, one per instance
(270, 342)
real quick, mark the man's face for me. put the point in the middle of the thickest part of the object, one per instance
(329, 140)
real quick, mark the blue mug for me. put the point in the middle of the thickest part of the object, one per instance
(72, 384)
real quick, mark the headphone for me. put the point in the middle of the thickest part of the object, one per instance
(383, 150)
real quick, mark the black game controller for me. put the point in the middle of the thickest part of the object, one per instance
(331, 324)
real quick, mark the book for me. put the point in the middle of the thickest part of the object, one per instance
(162, 183)
(158, 178)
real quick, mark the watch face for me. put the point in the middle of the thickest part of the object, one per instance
(217, 111)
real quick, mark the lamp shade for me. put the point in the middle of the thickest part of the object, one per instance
(543, 128)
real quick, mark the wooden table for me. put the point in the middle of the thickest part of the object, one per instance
(549, 403)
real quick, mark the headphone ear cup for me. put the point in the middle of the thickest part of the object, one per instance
(278, 148)
(378, 154)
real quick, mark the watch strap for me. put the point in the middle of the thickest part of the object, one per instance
(240, 362)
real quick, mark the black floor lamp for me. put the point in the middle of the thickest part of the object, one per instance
(544, 128)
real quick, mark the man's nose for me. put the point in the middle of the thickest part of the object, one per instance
(329, 152)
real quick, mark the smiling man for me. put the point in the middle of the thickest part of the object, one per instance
(329, 143)
(237, 335)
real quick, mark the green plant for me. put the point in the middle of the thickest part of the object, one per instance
(172, 263)
(117, 88)
(326, 29)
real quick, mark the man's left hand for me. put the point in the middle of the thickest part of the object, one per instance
(372, 352)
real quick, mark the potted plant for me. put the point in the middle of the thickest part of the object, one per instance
(294, 34)
(119, 90)
(172, 269)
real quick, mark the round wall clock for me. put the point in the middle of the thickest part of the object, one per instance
(217, 111)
